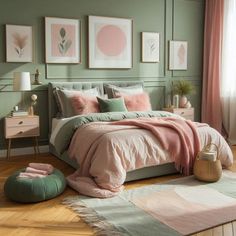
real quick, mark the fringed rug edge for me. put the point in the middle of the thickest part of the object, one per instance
(98, 223)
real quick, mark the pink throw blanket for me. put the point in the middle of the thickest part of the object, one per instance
(28, 175)
(36, 170)
(178, 137)
(103, 166)
(48, 168)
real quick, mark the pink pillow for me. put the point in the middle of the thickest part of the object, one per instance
(84, 104)
(136, 102)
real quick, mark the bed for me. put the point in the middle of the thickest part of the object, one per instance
(63, 129)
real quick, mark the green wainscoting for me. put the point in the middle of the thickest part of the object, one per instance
(173, 19)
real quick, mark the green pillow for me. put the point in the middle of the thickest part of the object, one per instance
(110, 105)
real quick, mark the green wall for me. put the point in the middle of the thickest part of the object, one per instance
(173, 19)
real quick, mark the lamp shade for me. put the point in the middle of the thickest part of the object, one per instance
(21, 81)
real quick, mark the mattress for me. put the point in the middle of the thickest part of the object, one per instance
(57, 123)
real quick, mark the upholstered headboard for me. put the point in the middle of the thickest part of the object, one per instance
(53, 109)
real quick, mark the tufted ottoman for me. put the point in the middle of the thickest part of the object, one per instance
(36, 189)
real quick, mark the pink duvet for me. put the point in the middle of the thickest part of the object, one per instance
(105, 151)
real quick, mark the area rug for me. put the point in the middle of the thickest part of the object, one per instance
(179, 207)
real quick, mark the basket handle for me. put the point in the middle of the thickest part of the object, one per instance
(209, 146)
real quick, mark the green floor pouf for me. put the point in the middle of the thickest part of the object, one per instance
(36, 189)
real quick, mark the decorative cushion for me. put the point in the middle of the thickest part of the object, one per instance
(36, 189)
(111, 105)
(112, 89)
(83, 104)
(136, 102)
(56, 96)
(63, 96)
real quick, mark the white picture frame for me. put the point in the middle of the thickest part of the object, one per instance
(110, 42)
(150, 47)
(62, 40)
(178, 55)
(19, 43)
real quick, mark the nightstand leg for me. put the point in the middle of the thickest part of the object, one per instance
(36, 147)
(9, 148)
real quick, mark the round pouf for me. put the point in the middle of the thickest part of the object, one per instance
(35, 189)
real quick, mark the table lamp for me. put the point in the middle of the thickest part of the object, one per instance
(21, 83)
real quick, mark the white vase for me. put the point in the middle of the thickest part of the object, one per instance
(176, 100)
(183, 101)
(188, 105)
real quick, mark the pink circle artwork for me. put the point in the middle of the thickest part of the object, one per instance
(111, 40)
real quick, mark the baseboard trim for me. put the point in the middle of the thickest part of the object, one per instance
(23, 151)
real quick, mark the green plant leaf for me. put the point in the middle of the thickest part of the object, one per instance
(62, 32)
(67, 45)
(60, 48)
(183, 87)
(18, 52)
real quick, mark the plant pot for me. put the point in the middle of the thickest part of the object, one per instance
(183, 101)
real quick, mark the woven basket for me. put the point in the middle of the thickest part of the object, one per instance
(206, 170)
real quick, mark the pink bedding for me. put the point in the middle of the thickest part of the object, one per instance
(106, 151)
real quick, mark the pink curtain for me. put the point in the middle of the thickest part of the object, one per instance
(211, 104)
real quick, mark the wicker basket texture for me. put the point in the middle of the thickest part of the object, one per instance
(207, 170)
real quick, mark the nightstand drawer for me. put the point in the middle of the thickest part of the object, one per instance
(187, 113)
(22, 127)
(21, 121)
(24, 131)
(183, 112)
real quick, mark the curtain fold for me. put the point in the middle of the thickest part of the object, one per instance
(211, 103)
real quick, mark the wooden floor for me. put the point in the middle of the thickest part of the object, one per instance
(53, 218)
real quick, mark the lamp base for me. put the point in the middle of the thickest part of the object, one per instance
(31, 111)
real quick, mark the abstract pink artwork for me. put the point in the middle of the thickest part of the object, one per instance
(110, 42)
(19, 43)
(181, 54)
(178, 55)
(62, 40)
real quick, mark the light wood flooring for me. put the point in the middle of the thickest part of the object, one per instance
(51, 217)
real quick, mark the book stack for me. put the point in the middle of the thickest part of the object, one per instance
(19, 113)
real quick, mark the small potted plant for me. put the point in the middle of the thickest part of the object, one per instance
(183, 88)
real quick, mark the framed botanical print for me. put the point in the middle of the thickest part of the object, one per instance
(150, 47)
(19, 43)
(110, 42)
(62, 40)
(178, 52)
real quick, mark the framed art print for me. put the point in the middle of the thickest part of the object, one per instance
(110, 42)
(62, 40)
(150, 47)
(19, 43)
(178, 51)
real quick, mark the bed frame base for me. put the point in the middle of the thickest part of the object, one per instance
(143, 173)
